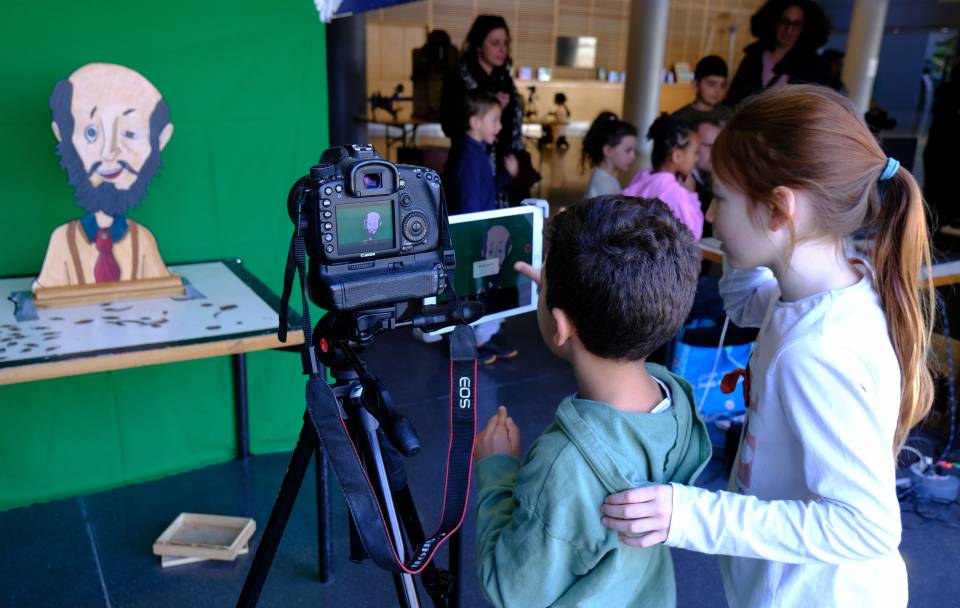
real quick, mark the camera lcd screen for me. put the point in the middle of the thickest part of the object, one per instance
(487, 244)
(364, 227)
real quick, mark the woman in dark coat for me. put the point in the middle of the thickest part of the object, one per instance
(788, 33)
(485, 64)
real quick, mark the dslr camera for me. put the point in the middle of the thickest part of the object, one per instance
(375, 232)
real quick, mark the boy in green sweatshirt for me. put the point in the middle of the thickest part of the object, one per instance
(618, 282)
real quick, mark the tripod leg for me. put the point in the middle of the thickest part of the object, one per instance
(323, 514)
(372, 446)
(435, 580)
(267, 548)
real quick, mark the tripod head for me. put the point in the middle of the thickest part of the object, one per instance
(341, 336)
(358, 328)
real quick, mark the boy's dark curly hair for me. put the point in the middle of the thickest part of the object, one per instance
(624, 270)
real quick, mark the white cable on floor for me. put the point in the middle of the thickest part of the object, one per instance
(716, 362)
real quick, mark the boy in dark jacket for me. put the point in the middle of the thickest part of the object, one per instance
(471, 184)
(472, 181)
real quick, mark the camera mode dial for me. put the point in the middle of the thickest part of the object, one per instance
(415, 227)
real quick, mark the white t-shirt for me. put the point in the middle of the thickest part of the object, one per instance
(812, 516)
(602, 183)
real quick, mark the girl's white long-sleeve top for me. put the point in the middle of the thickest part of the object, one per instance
(811, 517)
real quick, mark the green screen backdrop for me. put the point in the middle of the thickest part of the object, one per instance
(246, 85)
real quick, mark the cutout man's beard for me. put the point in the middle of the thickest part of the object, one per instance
(106, 197)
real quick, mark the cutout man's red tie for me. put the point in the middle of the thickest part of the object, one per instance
(106, 268)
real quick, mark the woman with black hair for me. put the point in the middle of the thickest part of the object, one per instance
(485, 65)
(788, 33)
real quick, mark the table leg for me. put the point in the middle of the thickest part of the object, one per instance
(240, 404)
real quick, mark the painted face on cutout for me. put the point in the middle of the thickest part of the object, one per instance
(111, 124)
(371, 224)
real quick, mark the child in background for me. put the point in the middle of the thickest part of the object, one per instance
(617, 282)
(675, 147)
(611, 147)
(838, 375)
(472, 184)
(472, 181)
(561, 116)
(710, 81)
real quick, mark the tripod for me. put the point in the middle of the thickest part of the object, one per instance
(378, 432)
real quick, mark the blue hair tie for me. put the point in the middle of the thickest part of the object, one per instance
(890, 169)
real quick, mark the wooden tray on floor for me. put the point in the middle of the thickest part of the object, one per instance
(205, 536)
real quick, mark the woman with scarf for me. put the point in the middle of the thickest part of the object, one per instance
(485, 65)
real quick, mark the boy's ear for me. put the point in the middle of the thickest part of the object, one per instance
(565, 328)
(474, 122)
(786, 209)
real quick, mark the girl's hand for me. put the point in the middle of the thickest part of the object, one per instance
(500, 436)
(504, 99)
(689, 183)
(641, 515)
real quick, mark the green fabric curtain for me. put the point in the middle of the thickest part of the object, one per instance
(246, 85)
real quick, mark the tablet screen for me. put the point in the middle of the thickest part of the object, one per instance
(487, 245)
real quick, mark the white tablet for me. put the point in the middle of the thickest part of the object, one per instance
(487, 244)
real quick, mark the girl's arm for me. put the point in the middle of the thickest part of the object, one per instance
(851, 511)
(748, 294)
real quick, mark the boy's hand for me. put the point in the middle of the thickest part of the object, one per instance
(500, 436)
(641, 515)
(528, 271)
(511, 165)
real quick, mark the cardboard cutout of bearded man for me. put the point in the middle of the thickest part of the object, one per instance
(111, 123)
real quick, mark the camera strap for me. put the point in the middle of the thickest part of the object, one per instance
(329, 421)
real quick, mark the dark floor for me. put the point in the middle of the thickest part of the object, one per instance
(95, 550)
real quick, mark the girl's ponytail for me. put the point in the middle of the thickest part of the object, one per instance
(901, 251)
